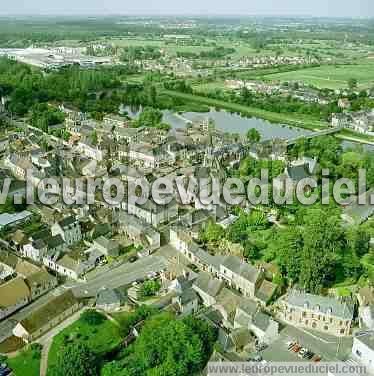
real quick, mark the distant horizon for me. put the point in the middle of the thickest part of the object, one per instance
(183, 15)
(204, 8)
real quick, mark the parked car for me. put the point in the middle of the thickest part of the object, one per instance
(302, 352)
(290, 344)
(316, 358)
(309, 355)
(5, 370)
(133, 259)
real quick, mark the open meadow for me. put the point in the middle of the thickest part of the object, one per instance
(331, 76)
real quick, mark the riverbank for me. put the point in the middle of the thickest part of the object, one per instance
(295, 120)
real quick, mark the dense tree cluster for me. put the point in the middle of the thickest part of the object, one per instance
(166, 346)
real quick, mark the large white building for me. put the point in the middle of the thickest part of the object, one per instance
(363, 349)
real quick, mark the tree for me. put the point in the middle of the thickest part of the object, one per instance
(322, 242)
(167, 347)
(150, 117)
(92, 317)
(94, 138)
(211, 233)
(150, 288)
(253, 136)
(352, 83)
(358, 239)
(75, 359)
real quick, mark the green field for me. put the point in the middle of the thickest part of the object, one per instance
(333, 77)
(26, 363)
(99, 338)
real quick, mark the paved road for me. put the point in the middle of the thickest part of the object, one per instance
(119, 276)
(123, 275)
(47, 339)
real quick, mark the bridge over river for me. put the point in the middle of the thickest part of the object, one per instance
(324, 132)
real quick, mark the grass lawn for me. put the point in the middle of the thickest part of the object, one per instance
(25, 364)
(209, 86)
(348, 134)
(100, 338)
(330, 76)
(296, 120)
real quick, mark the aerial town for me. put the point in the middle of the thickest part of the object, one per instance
(129, 288)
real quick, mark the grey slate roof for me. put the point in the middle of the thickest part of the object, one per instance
(245, 270)
(67, 221)
(261, 320)
(107, 296)
(297, 173)
(207, 284)
(321, 304)
(367, 338)
(187, 296)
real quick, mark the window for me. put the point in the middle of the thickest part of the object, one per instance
(326, 327)
(314, 325)
(330, 320)
(358, 353)
(304, 314)
(341, 331)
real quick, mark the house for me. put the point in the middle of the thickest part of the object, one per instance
(69, 229)
(148, 156)
(344, 103)
(41, 244)
(240, 275)
(107, 246)
(183, 243)
(69, 267)
(18, 240)
(8, 263)
(138, 231)
(18, 166)
(90, 151)
(181, 282)
(187, 302)
(14, 219)
(115, 121)
(108, 300)
(264, 328)
(153, 213)
(321, 313)
(367, 316)
(25, 269)
(47, 317)
(363, 349)
(365, 298)
(207, 288)
(226, 304)
(40, 283)
(359, 210)
(266, 292)
(128, 135)
(340, 120)
(14, 295)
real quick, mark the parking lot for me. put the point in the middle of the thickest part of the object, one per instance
(327, 347)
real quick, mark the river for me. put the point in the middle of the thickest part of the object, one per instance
(235, 123)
